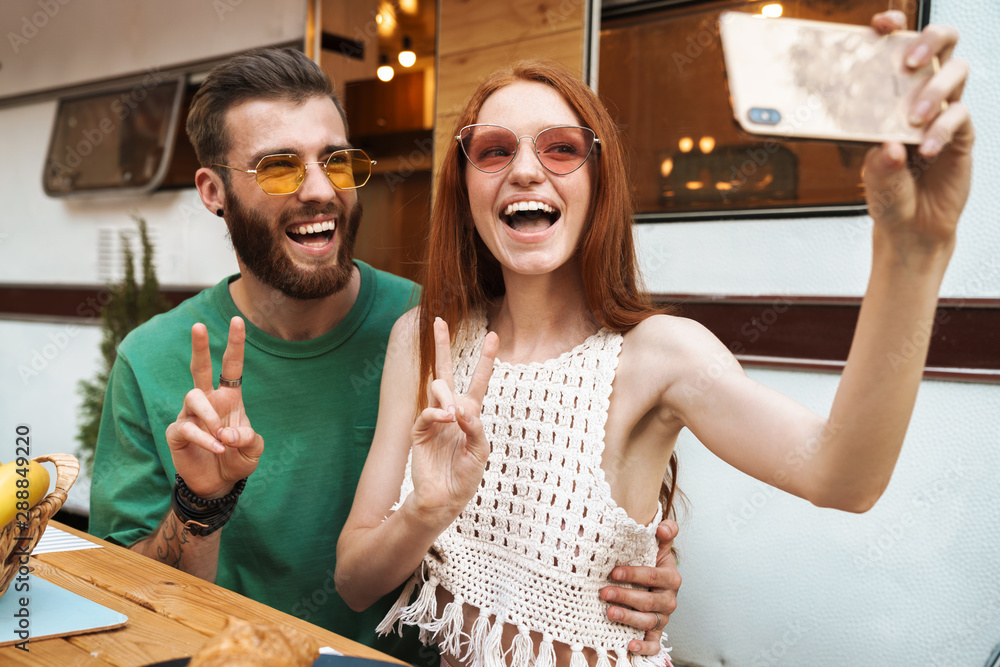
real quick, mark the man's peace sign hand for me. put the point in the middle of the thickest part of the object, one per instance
(212, 443)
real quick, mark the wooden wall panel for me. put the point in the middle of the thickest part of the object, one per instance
(443, 136)
(376, 107)
(475, 38)
(355, 21)
(461, 72)
(400, 202)
(469, 25)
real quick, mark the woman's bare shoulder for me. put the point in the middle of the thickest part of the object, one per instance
(404, 342)
(673, 335)
(674, 351)
(408, 323)
(406, 330)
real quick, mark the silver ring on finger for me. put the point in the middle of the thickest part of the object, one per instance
(223, 382)
(656, 626)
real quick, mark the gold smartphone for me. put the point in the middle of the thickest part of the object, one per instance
(820, 80)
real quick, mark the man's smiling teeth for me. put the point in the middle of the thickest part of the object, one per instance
(314, 228)
(528, 206)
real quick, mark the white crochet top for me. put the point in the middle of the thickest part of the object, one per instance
(542, 534)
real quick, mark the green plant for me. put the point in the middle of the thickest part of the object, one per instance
(129, 305)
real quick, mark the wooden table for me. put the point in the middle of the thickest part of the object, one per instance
(171, 614)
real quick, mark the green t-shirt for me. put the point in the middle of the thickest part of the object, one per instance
(314, 402)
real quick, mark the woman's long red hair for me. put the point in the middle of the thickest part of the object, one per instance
(462, 277)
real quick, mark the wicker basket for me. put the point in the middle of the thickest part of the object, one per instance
(67, 468)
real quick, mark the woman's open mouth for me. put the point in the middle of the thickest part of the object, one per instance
(529, 216)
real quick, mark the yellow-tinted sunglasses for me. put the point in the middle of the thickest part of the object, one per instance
(347, 169)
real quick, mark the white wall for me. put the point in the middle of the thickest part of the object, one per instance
(49, 44)
(770, 580)
(40, 363)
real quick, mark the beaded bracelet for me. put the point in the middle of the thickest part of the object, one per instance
(203, 516)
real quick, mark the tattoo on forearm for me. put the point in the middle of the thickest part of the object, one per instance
(171, 542)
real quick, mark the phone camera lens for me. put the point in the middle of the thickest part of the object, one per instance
(764, 116)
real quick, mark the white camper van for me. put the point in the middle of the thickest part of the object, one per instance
(768, 579)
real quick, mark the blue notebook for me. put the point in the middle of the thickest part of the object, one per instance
(51, 611)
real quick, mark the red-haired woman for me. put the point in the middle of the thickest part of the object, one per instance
(525, 479)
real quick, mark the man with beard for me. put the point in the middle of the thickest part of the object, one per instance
(310, 325)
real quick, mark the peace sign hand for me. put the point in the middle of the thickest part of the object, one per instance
(449, 447)
(212, 443)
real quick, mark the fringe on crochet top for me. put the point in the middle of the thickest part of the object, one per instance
(538, 541)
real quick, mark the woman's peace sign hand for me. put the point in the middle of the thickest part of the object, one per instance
(212, 443)
(449, 447)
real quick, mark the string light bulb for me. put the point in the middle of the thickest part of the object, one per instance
(384, 72)
(407, 57)
(386, 19)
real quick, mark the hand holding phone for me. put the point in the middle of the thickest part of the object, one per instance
(813, 79)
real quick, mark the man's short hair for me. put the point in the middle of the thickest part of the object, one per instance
(263, 74)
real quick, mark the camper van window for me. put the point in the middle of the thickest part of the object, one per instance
(114, 141)
(183, 160)
(663, 77)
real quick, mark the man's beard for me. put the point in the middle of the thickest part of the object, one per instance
(260, 246)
